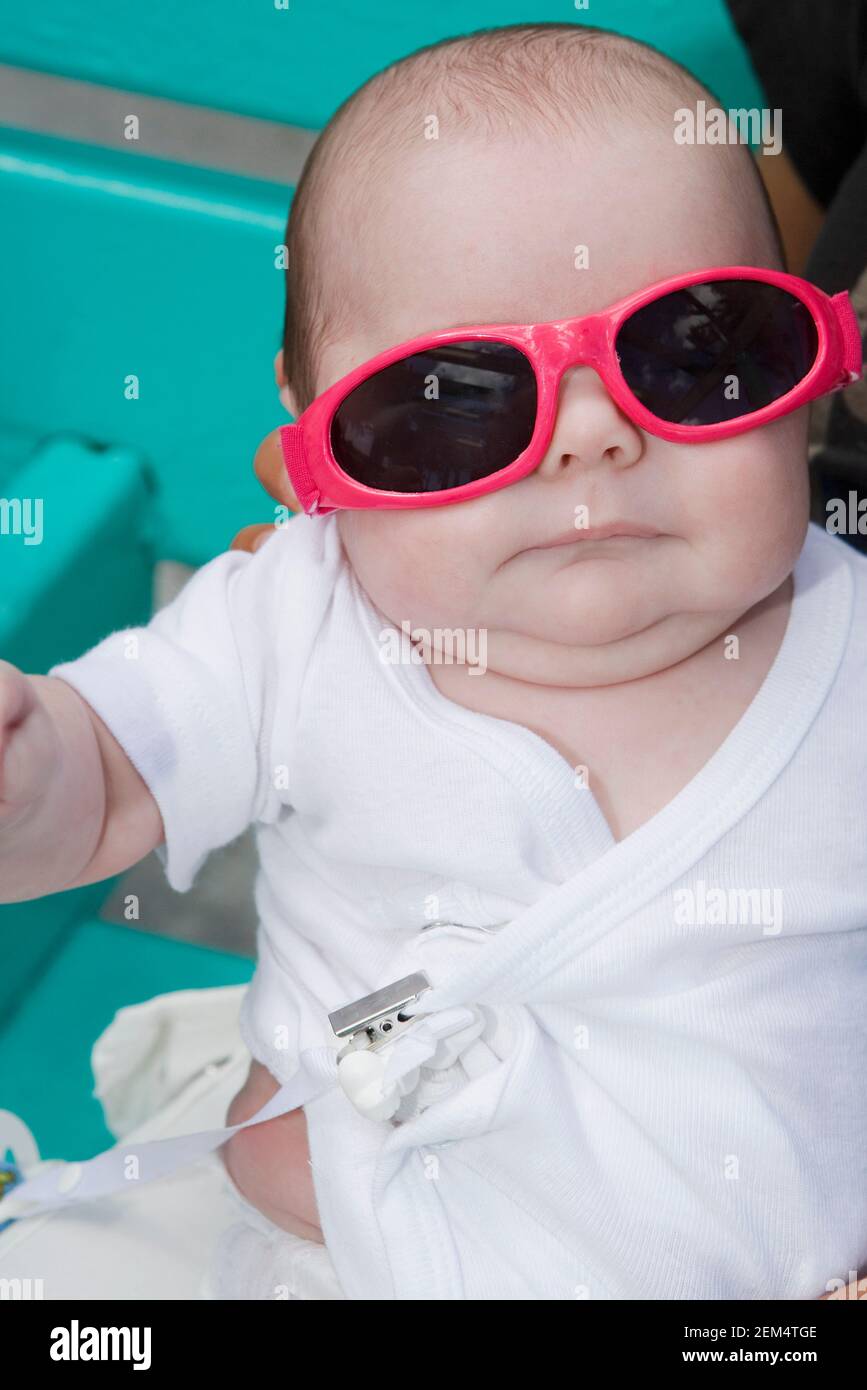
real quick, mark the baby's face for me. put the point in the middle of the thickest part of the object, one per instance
(470, 232)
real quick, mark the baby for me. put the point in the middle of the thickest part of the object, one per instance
(668, 723)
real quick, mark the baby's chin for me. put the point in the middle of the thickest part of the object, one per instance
(550, 618)
(602, 649)
(556, 644)
(586, 604)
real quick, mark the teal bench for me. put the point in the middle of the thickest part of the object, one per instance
(113, 267)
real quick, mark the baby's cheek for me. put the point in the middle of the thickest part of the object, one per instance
(749, 512)
(412, 565)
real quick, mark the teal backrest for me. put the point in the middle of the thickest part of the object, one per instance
(114, 268)
(143, 307)
(294, 61)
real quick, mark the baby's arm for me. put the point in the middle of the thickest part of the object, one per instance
(159, 737)
(73, 809)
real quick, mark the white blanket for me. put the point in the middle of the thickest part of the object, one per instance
(163, 1067)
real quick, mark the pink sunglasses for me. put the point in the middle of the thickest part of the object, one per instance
(452, 415)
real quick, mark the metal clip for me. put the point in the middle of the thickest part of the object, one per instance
(378, 1018)
(369, 1024)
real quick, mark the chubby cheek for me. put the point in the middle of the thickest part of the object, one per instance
(420, 567)
(748, 513)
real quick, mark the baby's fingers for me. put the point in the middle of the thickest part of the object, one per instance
(24, 743)
(251, 537)
(17, 696)
(271, 471)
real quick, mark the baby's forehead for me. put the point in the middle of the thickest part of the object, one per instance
(412, 220)
(529, 228)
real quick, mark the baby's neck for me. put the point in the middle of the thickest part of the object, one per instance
(642, 739)
(667, 658)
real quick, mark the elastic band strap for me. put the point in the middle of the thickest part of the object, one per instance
(295, 459)
(852, 346)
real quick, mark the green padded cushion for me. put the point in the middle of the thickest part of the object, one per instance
(45, 1075)
(176, 283)
(90, 576)
(297, 62)
(91, 572)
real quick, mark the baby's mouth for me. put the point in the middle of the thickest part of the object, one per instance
(612, 531)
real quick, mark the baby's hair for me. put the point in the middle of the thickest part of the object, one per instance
(549, 78)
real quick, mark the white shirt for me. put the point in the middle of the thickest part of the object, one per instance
(680, 1108)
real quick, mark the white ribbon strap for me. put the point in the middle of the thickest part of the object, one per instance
(128, 1163)
(434, 1040)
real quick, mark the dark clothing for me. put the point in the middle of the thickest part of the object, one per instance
(812, 63)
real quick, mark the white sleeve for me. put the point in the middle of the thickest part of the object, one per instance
(191, 696)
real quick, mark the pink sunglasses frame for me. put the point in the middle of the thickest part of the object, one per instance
(321, 485)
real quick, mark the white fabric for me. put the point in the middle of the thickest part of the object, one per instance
(676, 1108)
(154, 1241)
(164, 1067)
(255, 1260)
(150, 1053)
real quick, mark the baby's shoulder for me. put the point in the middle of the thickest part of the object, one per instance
(264, 609)
(292, 575)
(304, 549)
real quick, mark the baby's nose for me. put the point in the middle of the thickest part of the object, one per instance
(589, 427)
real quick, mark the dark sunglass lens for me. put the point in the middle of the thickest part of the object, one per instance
(438, 419)
(717, 351)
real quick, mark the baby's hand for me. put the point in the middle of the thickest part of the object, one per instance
(271, 472)
(29, 746)
(73, 809)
